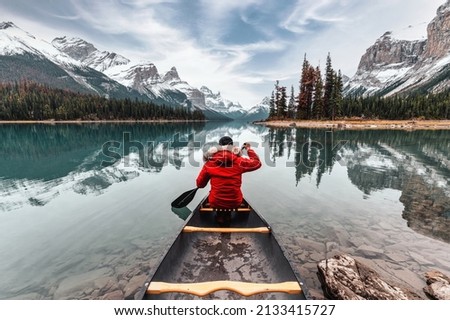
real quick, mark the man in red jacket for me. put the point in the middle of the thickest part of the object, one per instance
(224, 166)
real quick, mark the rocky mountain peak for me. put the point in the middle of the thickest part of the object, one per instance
(206, 90)
(443, 8)
(265, 101)
(75, 48)
(439, 33)
(145, 74)
(171, 75)
(88, 54)
(210, 94)
(390, 51)
(7, 25)
(10, 29)
(392, 66)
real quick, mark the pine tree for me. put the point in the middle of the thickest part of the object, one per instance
(317, 111)
(277, 98)
(302, 101)
(272, 111)
(310, 82)
(291, 105)
(281, 102)
(337, 95)
(328, 89)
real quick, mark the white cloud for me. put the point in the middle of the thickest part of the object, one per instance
(308, 11)
(215, 65)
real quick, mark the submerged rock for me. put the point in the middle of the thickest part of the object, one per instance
(438, 285)
(344, 278)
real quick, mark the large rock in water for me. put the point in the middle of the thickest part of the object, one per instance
(344, 278)
(438, 285)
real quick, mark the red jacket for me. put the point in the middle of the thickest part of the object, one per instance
(225, 170)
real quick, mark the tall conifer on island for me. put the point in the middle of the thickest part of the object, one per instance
(328, 89)
(281, 107)
(317, 112)
(310, 82)
(302, 101)
(291, 105)
(277, 98)
(337, 96)
(272, 111)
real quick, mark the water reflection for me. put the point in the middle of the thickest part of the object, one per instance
(72, 227)
(39, 161)
(416, 163)
(36, 160)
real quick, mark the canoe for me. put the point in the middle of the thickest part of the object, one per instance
(236, 259)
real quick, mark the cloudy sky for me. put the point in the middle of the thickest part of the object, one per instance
(237, 47)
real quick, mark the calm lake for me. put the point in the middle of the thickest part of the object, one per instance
(85, 209)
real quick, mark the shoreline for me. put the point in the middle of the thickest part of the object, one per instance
(358, 124)
(93, 121)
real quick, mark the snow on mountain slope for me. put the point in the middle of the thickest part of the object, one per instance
(385, 63)
(23, 56)
(216, 102)
(87, 54)
(15, 41)
(406, 60)
(258, 112)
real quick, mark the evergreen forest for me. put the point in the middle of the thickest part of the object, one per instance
(26, 100)
(321, 98)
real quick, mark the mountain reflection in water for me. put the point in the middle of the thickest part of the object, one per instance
(415, 163)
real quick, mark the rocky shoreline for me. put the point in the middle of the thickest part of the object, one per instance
(358, 124)
(345, 278)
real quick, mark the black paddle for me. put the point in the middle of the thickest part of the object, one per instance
(184, 199)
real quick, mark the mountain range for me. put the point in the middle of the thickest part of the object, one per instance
(398, 63)
(402, 62)
(75, 64)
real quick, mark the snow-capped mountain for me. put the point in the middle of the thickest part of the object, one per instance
(23, 56)
(76, 64)
(215, 102)
(15, 41)
(87, 54)
(407, 60)
(258, 112)
(145, 78)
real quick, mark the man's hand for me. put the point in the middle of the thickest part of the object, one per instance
(246, 146)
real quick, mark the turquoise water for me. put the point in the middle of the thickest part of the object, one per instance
(85, 209)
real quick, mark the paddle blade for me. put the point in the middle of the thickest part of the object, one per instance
(184, 199)
(182, 213)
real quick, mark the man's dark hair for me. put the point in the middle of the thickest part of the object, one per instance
(225, 141)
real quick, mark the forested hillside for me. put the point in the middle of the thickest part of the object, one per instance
(32, 101)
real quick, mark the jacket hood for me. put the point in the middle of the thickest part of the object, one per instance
(222, 154)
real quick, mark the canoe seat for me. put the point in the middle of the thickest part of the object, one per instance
(188, 229)
(243, 288)
(240, 210)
